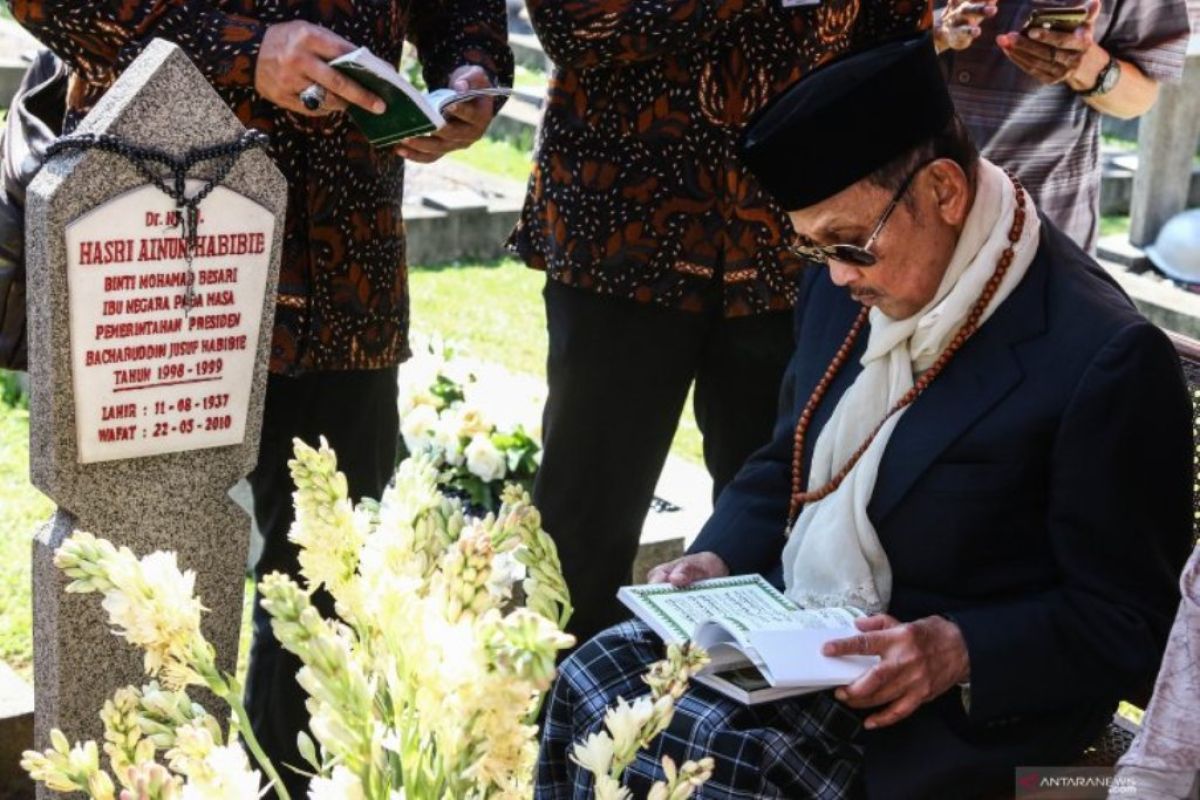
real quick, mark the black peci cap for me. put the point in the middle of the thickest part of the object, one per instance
(845, 120)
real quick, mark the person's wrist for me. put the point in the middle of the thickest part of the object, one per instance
(957, 644)
(939, 32)
(1087, 74)
(941, 40)
(714, 565)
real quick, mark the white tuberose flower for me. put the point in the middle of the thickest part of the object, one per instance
(484, 460)
(506, 570)
(341, 785)
(625, 722)
(156, 609)
(595, 753)
(607, 788)
(224, 775)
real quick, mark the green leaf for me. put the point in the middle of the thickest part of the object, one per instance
(447, 390)
(477, 490)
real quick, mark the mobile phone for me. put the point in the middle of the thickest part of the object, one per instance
(1056, 18)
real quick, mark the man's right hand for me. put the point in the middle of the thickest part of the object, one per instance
(959, 24)
(683, 572)
(293, 56)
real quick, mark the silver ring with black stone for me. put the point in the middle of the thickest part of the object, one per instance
(313, 97)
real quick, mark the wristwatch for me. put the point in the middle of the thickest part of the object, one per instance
(1106, 81)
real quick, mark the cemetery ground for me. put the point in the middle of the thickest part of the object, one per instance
(490, 311)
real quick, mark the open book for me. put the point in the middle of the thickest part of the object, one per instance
(763, 646)
(410, 112)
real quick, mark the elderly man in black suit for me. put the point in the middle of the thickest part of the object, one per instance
(981, 443)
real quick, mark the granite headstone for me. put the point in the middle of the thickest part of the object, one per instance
(147, 370)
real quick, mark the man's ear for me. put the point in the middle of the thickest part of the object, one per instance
(951, 191)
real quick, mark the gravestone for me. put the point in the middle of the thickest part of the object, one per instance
(1166, 143)
(147, 370)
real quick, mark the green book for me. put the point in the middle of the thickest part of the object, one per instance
(410, 112)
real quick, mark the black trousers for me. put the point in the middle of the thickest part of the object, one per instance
(619, 374)
(356, 412)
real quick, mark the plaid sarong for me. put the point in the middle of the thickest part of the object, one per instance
(804, 747)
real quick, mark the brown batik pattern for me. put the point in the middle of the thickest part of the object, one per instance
(343, 295)
(636, 191)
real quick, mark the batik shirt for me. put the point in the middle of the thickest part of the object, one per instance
(636, 190)
(343, 295)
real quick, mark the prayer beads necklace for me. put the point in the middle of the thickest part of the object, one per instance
(799, 497)
(174, 186)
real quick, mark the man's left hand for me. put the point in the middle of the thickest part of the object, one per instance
(465, 121)
(918, 662)
(1050, 56)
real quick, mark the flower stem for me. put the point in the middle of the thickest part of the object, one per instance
(234, 699)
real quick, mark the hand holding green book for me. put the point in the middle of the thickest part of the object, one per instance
(762, 646)
(410, 112)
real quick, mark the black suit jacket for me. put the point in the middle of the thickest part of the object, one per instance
(1038, 493)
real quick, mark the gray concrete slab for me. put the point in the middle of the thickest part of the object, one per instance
(453, 212)
(1160, 300)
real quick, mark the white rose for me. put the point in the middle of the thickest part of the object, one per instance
(418, 427)
(410, 400)
(448, 436)
(473, 422)
(484, 460)
(415, 376)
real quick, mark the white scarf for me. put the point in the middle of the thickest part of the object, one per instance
(833, 556)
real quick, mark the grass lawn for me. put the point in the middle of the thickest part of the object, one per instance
(508, 327)
(22, 509)
(1114, 224)
(1131, 146)
(528, 78)
(1117, 143)
(511, 333)
(496, 157)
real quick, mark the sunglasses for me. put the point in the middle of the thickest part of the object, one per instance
(856, 255)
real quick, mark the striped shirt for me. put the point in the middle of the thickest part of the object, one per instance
(1048, 135)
